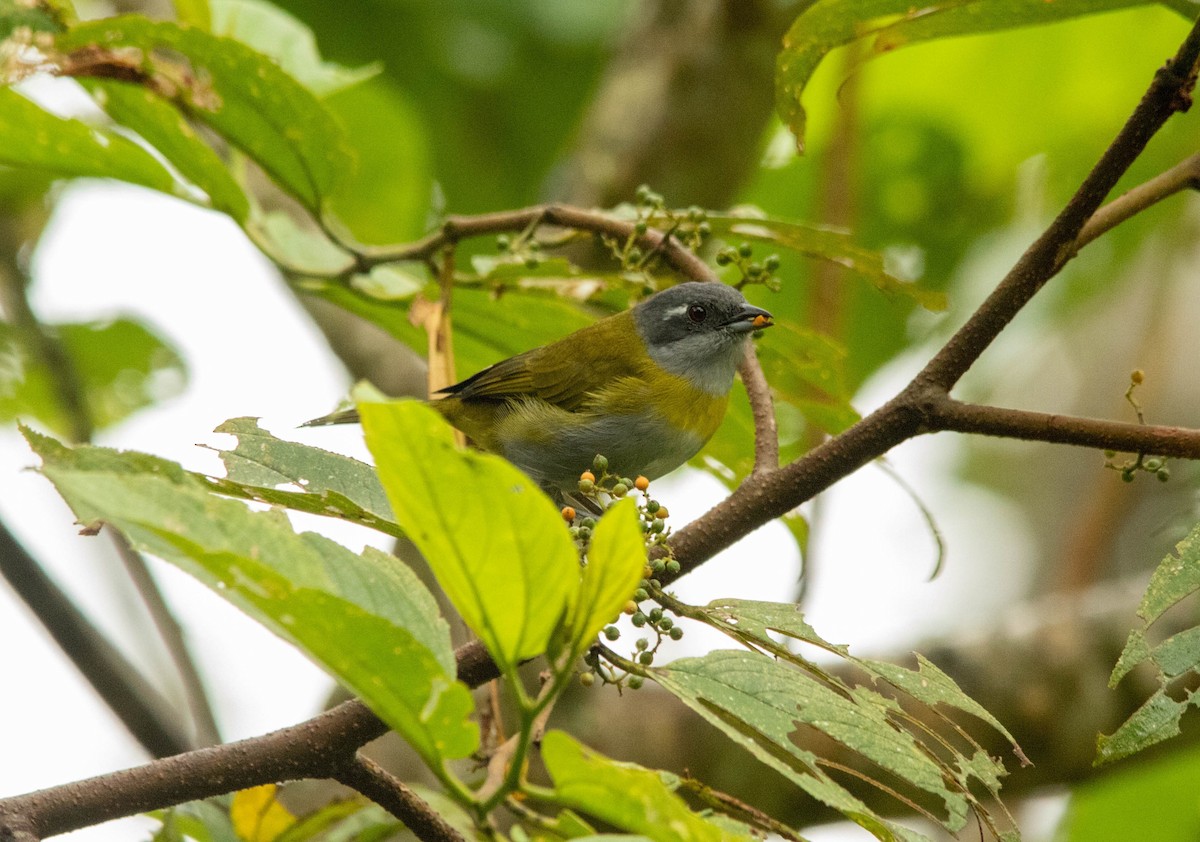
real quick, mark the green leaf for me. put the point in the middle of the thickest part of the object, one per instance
(825, 244)
(365, 618)
(120, 366)
(756, 694)
(261, 459)
(624, 795)
(240, 93)
(40, 17)
(275, 33)
(1176, 577)
(38, 139)
(194, 13)
(826, 24)
(300, 247)
(616, 560)
(495, 542)
(165, 128)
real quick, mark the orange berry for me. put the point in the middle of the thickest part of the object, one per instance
(630, 608)
(661, 514)
(588, 475)
(641, 483)
(568, 514)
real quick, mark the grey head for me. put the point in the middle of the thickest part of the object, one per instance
(699, 331)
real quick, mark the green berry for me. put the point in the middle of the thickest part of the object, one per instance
(646, 658)
(643, 192)
(653, 506)
(503, 243)
(640, 594)
(531, 262)
(1163, 474)
(612, 632)
(695, 213)
(666, 624)
(745, 250)
(657, 526)
(636, 682)
(640, 227)
(704, 230)
(1127, 475)
(655, 615)
(600, 463)
(723, 258)
(638, 619)
(676, 633)
(672, 565)
(772, 262)
(642, 644)
(655, 584)
(587, 486)
(754, 270)
(620, 489)
(635, 254)
(1110, 454)
(587, 679)
(584, 533)
(1152, 464)
(657, 565)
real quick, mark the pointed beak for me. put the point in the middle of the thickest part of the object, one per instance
(750, 318)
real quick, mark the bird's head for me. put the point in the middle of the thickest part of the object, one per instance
(699, 331)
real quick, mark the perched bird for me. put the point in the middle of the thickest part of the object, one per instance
(646, 388)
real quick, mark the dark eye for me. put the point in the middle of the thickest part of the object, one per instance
(697, 313)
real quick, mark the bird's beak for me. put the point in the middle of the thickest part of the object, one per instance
(750, 318)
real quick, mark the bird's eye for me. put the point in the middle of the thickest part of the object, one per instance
(696, 313)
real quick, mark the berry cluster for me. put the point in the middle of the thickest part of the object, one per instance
(752, 271)
(1153, 464)
(603, 488)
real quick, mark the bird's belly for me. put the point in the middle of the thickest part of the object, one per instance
(555, 453)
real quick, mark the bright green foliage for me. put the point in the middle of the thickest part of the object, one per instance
(824, 244)
(256, 815)
(496, 543)
(37, 139)
(164, 127)
(1152, 799)
(827, 24)
(120, 367)
(1177, 576)
(197, 13)
(352, 613)
(624, 795)
(615, 561)
(15, 14)
(273, 32)
(241, 94)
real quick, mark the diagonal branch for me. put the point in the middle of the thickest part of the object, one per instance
(1183, 176)
(372, 780)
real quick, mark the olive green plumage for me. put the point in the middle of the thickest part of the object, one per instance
(646, 388)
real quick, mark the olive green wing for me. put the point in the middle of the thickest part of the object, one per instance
(564, 373)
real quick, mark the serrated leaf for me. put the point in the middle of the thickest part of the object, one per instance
(772, 700)
(624, 795)
(240, 93)
(35, 138)
(1156, 720)
(1176, 577)
(120, 366)
(257, 815)
(366, 618)
(164, 127)
(616, 560)
(275, 33)
(261, 459)
(495, 542)
(824, 244)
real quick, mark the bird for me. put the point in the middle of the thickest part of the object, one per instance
(646, 388)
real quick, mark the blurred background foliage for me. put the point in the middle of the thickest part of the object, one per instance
(945, 157)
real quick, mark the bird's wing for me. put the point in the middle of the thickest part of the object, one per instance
(564, 373)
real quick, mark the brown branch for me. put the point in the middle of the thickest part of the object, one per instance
(372, 780)
(138, 705)
(1183, 176)
(457, 228)
(945, 413)
(766, 431)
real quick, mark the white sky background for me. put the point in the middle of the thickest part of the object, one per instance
(190, 274)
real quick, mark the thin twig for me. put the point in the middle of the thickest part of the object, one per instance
(766, 432)
(171, 633)
(385, 789)
(946, 413)
(139, 706)
(1183, 176)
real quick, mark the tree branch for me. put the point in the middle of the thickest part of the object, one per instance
(945, 413)
(137, 704)
(372, 780)
(1183, 176)
(766, 431)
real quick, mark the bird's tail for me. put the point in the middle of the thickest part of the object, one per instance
(341, 416)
